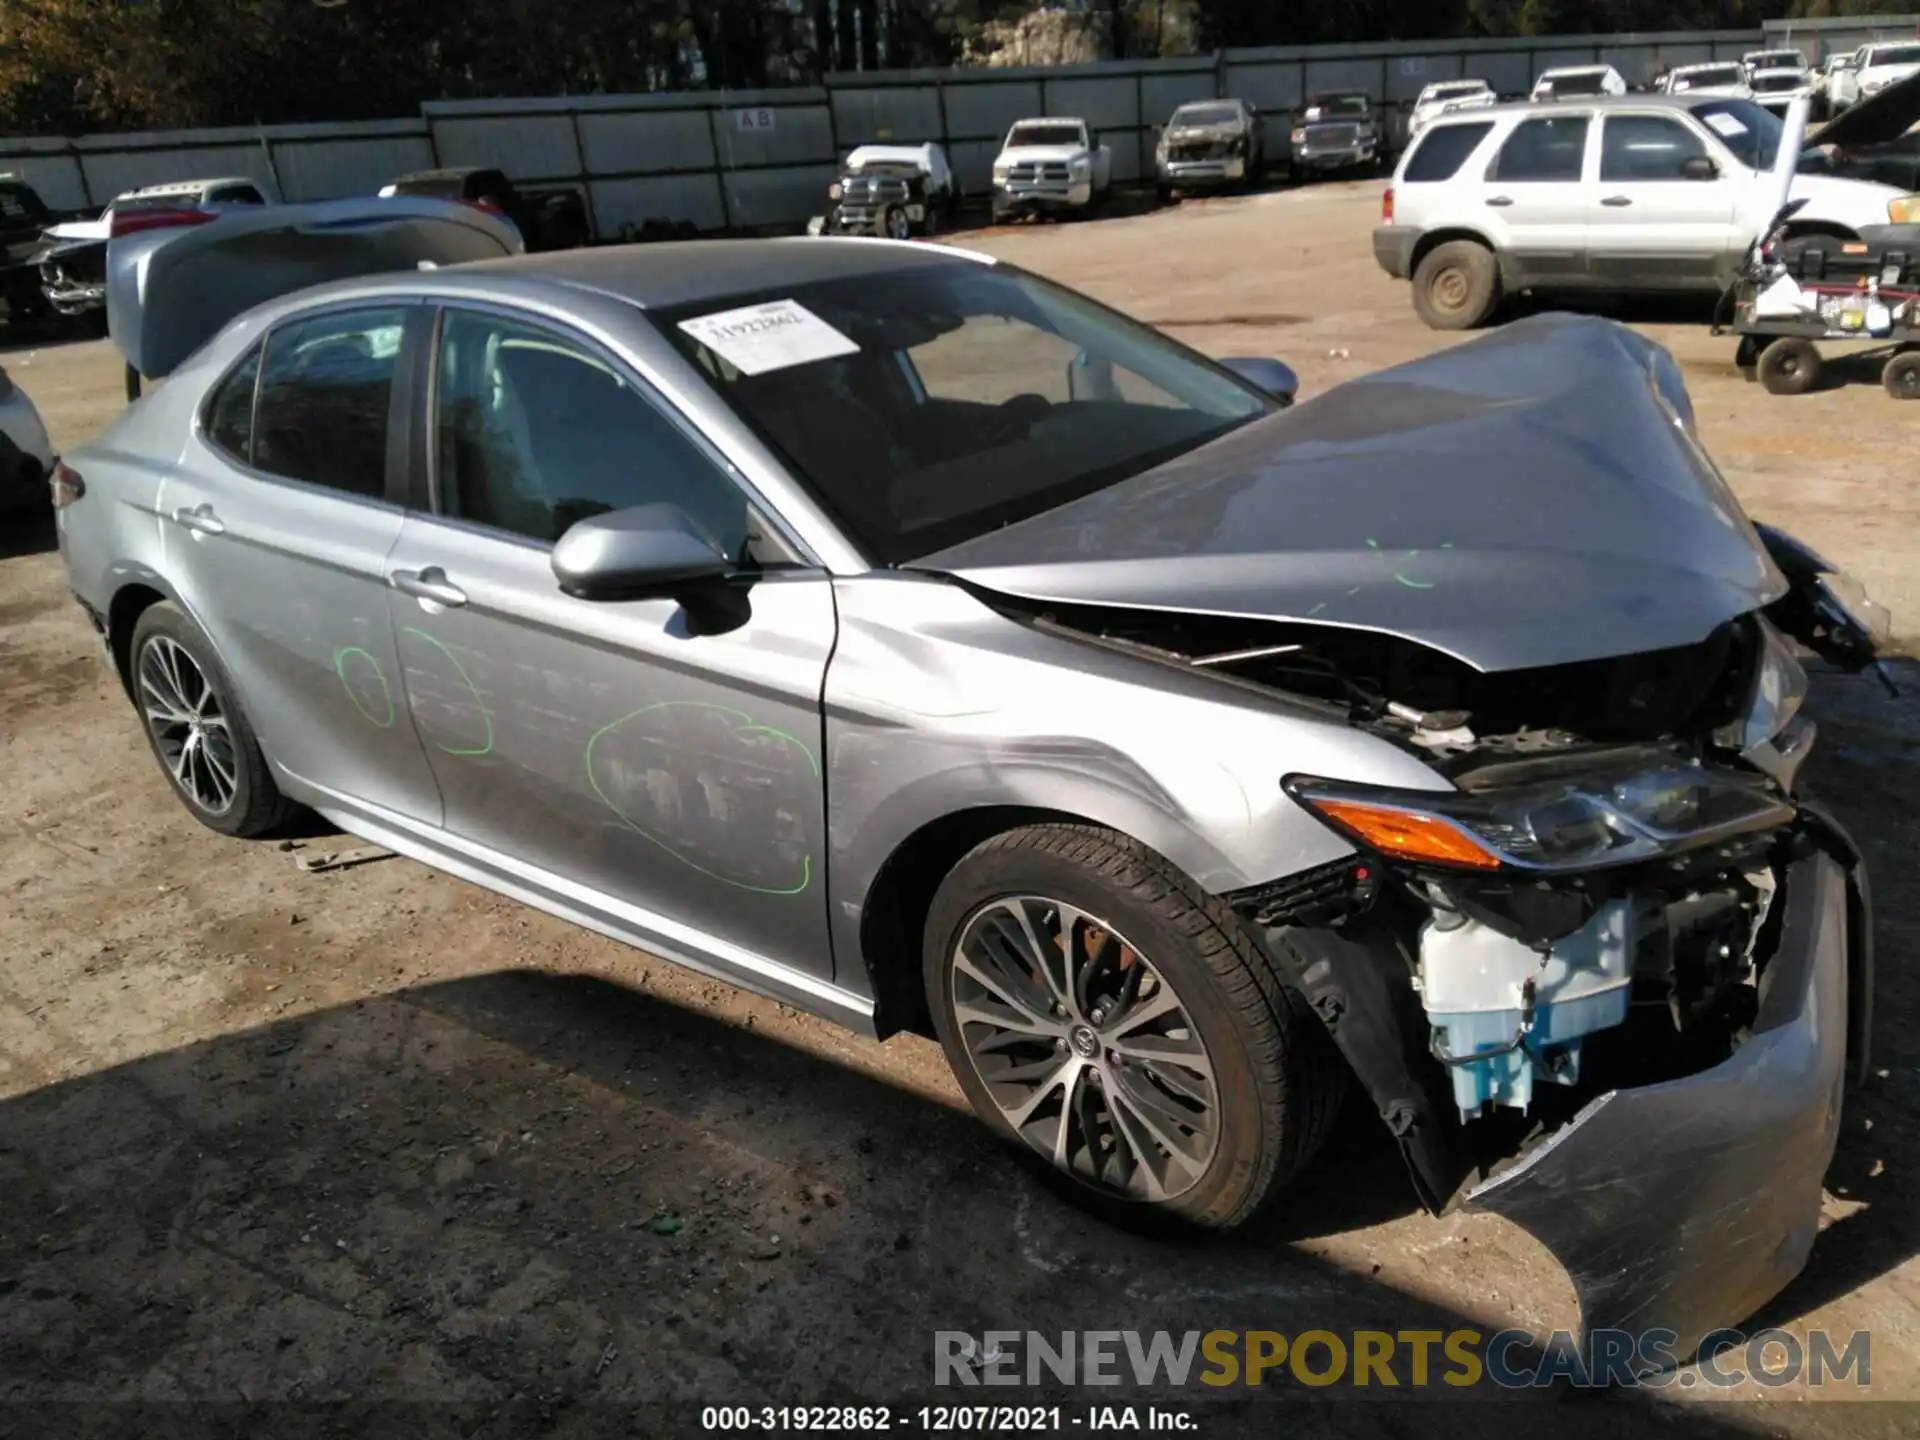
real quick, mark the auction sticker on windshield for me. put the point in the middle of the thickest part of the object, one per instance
(1726, 124)
(774, 336)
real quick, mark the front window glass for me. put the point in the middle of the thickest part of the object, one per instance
(1751, 133)
(1647, 147)
(534, 434)
(1712, 75)
(1206, 115)
(1340, 107)
(1895, 55)
(928, 406)
(1044, 134)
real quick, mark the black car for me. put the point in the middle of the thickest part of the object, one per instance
(554, 219)
(23, 218)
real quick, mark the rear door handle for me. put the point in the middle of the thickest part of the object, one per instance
(200, 519)
(1616, 201)
(1500, 201)
(428, 584)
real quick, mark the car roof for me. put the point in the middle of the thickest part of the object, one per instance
(1648, 101)
(684, 272)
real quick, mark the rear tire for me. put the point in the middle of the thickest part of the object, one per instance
(1901, 377)
(196, 729)
(1226, 1083)
(1456, 286)
(1789, 366)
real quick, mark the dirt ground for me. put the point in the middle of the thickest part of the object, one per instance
(373, 1148)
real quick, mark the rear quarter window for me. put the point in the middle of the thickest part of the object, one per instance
(1439, 154)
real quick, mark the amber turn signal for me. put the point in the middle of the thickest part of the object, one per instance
(1406, 835)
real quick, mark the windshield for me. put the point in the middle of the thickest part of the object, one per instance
(1713, 75)
(1456, 92)
(1046, 134)
(1340, 107)
(1777, 60)
(1894, 55)
(1769, 84)
(1581, 82)
(1206, 115)
(1752, 134)
(926, 407)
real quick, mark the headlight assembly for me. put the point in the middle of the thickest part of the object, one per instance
(1555, 828)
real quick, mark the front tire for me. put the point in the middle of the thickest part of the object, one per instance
(1120, 1028)
(1789, 366)
(1456, 286)
(196, 728)
(1901, 375)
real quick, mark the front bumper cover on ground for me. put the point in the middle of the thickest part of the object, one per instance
(1685, 1206)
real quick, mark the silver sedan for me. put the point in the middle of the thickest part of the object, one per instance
(920, 643)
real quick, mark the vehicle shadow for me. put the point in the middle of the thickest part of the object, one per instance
(521, 1203)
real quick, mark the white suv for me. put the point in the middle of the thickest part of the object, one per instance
(1642, 192)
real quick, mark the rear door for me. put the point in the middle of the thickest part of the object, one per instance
(1654, 227)
(658, 778)
(1537, 199)
(278, 522)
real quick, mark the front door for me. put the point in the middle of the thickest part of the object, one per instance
(661, 782)
(278, 523)
(1536, 201)
(1654, 226)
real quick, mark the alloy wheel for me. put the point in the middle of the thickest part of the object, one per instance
(1085, 1048)
(898, 227)
(188, 725)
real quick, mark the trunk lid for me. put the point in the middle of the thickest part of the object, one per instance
(169, 291)
(1531, 498)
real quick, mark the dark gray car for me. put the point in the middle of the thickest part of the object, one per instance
(917, 642)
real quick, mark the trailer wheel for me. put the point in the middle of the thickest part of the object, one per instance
(1790, 366)
(1902, 375)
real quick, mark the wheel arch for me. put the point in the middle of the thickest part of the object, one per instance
(892, 913)
(1433, 239)
(1832, 229)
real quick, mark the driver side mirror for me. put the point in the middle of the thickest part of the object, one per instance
(646, 552)
(1275, 377)
(1699, 167)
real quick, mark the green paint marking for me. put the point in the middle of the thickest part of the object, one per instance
(1413, 584)
(1318, 608)
(751, 727)
(466, 680)
(340, 658)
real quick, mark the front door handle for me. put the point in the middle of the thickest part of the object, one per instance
(428, 584)
(1616, 201)
(1500, 201)
(200, 519)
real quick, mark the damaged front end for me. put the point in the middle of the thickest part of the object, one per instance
(1608, 985)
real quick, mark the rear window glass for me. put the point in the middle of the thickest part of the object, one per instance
(1545, 149)
(229, 415)
(1442, 151)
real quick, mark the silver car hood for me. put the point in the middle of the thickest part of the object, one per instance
(1531, 498)
(169, 291)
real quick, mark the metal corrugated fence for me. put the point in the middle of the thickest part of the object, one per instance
(727, 160)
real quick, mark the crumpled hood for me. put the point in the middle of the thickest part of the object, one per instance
(1224, 130)
(1525, 499)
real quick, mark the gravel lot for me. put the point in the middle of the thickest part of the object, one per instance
(374, 1136)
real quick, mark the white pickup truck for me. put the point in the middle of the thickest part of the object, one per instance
(1048, 166)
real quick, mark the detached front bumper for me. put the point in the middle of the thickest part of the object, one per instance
(1196, 173)
(1036, 195)
(1346, 157)
(1685, 1206)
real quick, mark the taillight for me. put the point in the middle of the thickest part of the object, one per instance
(130, 222)
(1386, 207)
(483, 203)
(66, 484)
